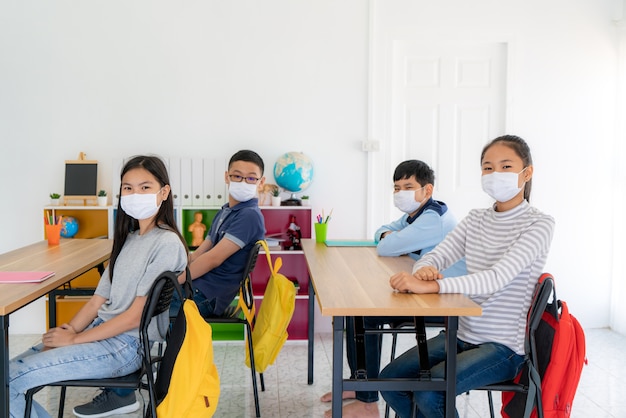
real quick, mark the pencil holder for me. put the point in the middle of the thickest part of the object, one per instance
(53, 233)
(320, 232)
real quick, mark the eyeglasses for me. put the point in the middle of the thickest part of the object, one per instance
(239, 179)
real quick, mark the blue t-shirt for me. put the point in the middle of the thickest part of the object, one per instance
(244, 225)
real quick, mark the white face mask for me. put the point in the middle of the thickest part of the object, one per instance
(501, 186)
(405, 200)
(140, 206)
(242, 191)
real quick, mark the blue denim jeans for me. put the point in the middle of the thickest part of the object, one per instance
(477, 365)
(205, 306)
(115, 356)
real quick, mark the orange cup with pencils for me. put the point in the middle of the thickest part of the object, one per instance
(320, 232)
(53, 233)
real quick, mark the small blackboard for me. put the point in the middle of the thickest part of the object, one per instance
(81, 179)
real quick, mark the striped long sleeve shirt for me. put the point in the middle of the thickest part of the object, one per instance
(505, 253)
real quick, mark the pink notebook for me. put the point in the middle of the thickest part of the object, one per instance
(24, 276)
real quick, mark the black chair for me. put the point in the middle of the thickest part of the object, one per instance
(234, 315)
(158, 301)
(543, 291)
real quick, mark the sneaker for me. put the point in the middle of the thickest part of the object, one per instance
(107, 403)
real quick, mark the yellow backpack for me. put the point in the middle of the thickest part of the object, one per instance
(270, 329)
(188, 384)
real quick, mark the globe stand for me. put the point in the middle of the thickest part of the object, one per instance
(292, 201)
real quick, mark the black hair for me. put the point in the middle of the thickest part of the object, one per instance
(249, 156)
(423, 173)
(522, 150)
(125, 224)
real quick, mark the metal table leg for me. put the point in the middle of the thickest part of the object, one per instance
(311, 329)
(4, 367)
(337, 385)
(453, 324)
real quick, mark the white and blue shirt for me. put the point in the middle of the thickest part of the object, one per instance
(419, 234)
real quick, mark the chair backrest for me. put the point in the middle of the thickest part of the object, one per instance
(252, 257)
(159, 298)
(520, 397)
(543, 291)
(246, 284)
(158, 301)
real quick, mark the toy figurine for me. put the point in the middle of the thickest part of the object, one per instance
(294, 234)
(197, 229)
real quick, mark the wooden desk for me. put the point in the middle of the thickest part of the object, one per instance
(354, 281)
(68, 260)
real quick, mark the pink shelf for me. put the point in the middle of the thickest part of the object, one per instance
(294, 266)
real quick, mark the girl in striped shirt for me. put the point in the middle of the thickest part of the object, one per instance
(505, 247)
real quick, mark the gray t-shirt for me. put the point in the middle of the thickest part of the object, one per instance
(142, 259)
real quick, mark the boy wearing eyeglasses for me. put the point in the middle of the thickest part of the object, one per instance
(217, 264)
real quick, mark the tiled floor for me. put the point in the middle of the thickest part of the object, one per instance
(601, 392)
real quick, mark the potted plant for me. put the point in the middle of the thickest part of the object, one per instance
(102, 198)
(54, 199)
(305, 200)
(276, 197)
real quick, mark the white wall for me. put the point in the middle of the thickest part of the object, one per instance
(186, 78)
(618, 288)
(210, 77)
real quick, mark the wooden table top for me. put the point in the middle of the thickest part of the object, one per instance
(354, 281)
(69, 259)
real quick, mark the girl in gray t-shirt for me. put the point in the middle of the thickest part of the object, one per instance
(102, 339)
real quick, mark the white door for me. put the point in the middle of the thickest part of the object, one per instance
(445, 101)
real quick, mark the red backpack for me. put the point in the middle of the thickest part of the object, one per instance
(560, 354)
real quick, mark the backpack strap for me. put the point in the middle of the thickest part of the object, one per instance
(187, 287)
(248, 311)
(534, 382)
(279, 261)
(185, 290)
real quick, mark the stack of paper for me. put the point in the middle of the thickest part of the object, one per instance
(273, 244)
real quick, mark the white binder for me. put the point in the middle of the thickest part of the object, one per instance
(185, 182)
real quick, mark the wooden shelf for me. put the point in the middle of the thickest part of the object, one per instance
(93, 222)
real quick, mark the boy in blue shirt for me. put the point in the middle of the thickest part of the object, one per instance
(423, 225)
(425, 221)
(216, 266)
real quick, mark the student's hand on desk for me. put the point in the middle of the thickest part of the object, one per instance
(407, 283)
(428, 273)
(59, 336)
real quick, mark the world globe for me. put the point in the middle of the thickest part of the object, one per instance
(69, 226)
(293, 172)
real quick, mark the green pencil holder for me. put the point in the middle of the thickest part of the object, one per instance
(320, 232)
